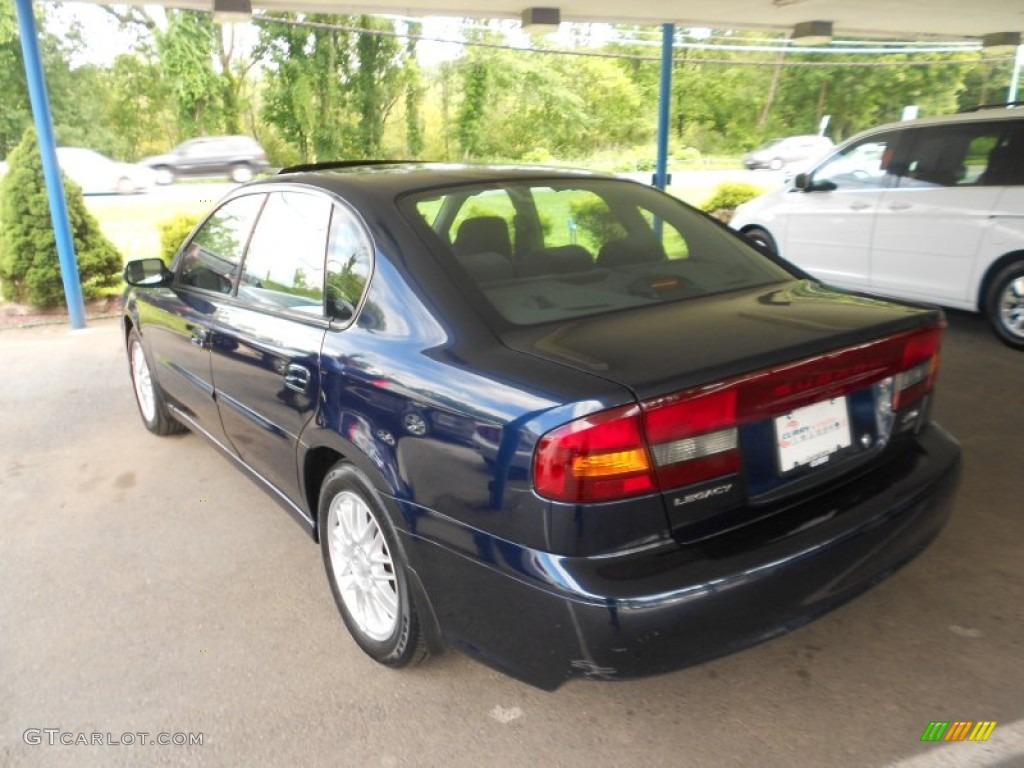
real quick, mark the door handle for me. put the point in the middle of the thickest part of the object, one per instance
(859, 206)
(898, 206)
(297, 377)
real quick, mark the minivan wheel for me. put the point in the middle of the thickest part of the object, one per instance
(148, 396)
(367, 570)
(761, 239)
(1004, 305)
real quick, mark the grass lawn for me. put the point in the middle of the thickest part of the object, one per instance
(132, 223)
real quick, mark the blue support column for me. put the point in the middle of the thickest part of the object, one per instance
(51, 171)
(664, 105)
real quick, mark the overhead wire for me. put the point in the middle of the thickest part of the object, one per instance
(263, 19)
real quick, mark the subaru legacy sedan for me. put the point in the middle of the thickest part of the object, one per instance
(561, 422)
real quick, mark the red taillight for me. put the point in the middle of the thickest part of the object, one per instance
(597, 458)
(693, 436)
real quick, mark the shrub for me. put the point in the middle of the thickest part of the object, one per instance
(29, 267)
(595, 221)
(727, 196)
(173, 233)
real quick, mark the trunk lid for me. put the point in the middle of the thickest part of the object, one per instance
(757, 395)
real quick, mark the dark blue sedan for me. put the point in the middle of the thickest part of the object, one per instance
(559, 421)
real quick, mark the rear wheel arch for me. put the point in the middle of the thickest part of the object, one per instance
(761, 236)
(993, 270)
(318, 461)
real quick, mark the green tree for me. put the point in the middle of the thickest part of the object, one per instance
(186, 50)
(377, 83)
(29, 267)
(414, 90)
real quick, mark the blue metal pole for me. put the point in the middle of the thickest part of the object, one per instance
(664, 105)
(51, 171)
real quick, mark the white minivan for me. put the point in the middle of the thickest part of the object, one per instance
(929, 210)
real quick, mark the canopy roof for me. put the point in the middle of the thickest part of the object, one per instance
(910, 19)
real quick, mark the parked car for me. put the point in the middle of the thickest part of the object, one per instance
(97, 174)
(928, 210)
(601, 450)
(237, 157)
(778, 153)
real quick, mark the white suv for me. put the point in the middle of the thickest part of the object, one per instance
(929, 210)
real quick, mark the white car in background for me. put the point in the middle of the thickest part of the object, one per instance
(929, 210)
(791, 150)
(97, 174)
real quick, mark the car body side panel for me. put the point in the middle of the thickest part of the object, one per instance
(809, 239)
(926, 241)
(176, 325)
(259, 363)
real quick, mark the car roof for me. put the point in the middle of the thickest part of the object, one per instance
(976, 116)
(402, 177)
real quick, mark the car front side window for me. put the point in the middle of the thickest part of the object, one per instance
(211, 259)
(862, 165)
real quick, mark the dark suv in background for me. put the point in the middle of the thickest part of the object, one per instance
(237, 157)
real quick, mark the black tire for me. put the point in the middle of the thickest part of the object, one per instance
(241, 173)
(1004, 304)
(148, 396)
(761, 239)
(375, 599)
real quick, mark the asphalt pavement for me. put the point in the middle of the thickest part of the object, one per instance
(148, 591)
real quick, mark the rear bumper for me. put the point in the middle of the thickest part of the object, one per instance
(545, 618)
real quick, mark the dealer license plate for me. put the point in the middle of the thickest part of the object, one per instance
(809, 436)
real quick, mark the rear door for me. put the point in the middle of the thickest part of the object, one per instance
(266, 364)
(932, 223)
(830, 227)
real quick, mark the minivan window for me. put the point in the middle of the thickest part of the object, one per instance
(964, 154)
(861, 165)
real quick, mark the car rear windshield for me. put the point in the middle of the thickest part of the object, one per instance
(548, 250)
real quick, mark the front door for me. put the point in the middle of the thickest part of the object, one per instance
(179, 321)
(830, 226)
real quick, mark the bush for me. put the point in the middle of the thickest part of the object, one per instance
(29, 267)
(173, 233)
(595, 221)
(727, 196)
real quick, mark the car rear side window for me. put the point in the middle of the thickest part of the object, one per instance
(964, 154)
(582, 247)
(284, 266)
(349, 264)
(211, 259)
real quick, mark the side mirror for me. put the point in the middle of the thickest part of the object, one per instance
(805, 182)
(146, 272)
